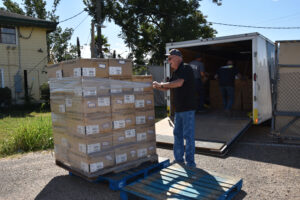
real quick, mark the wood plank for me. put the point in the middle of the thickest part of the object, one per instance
(230, 179)
(185, 184)
(176, 188)
(199, 182)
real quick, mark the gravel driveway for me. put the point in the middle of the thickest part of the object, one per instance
(269, 171)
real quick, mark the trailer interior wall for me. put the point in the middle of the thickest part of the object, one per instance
(217, 55)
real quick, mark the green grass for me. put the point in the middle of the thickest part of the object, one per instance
(22, 134)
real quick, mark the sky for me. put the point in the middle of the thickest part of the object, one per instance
(266, 13)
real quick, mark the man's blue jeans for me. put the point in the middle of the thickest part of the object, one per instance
(227, 96)
(184, 129)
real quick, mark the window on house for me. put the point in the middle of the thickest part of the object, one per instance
(1, 78)
(7, 35)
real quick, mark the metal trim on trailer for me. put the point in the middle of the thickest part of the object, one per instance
(282, 65)
(207, 41)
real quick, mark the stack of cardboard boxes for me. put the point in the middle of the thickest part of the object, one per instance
(102, 116)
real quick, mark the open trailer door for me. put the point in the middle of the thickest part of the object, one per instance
(215, 132)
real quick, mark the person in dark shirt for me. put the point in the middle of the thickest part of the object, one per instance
(226, 76)
(182, 83)
(200, 78)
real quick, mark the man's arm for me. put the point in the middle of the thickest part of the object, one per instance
(163, 86)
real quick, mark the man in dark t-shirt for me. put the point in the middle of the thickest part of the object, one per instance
(182, 83)
(226, 76)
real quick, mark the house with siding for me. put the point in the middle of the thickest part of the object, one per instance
(23, 54)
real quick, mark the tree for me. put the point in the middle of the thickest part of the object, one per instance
(57, 41)
(148, 25)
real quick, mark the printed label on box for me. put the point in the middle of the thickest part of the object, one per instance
(141, 152)
(91, 104)
(122, 62)
(128, 98)
(54, 117)
(116, 90)
(96, 166)
(140, 119)
(132, 153)
(102, 66)
(92, 129)
(141, 136)
(119, 124)
(120, 139)
(91, 91)
(148, 102)
(105, 144)
(62, 108)
(105, 125)
(118, 101)
(78, 91)
(130, 133)
(103, 101)
(138, 89)
(58, 74)
(115, 70)
(64, 142)
(92, 148)
(81, 129)
(68, 102)
(82, 148)
(128, 121)
(108, 157)
(77, 72)
(140, 103)
(121, 158)
(84, 166)
(150, 118)
(90, 72)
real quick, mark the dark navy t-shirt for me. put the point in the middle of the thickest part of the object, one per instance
(184, 96)
(226, 75)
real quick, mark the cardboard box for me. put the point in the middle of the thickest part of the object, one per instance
(123, 120)
(58, 105)
(58, 120)
(144, 101)
(124, 137)
(140, 118)
(89, 105)
(88, 125)
(92, 164)
(54, 71)
(143, 79)
(121, 85)
(120, 68)
(125, 154)
(145, 133)
(122, 102)
(84, 145)
(95, 67)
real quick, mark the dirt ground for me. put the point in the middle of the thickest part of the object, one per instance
(269, 171)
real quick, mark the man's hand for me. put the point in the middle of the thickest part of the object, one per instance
(156, 85)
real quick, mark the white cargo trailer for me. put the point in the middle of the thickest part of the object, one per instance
(254, 57)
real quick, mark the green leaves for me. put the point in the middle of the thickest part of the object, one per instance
(148, 25)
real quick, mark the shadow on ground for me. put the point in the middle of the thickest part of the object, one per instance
(72, 187)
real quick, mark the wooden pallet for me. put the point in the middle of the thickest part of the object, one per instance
(180, 182)
(115, 169)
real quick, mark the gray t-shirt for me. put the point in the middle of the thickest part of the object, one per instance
(197, 67)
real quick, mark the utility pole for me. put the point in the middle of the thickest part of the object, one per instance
(93, 40)
(78, 48)
(99, 23)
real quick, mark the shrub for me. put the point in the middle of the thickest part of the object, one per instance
(45, 92)
(5, 97)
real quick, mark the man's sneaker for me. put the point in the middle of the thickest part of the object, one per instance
(178, 162)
